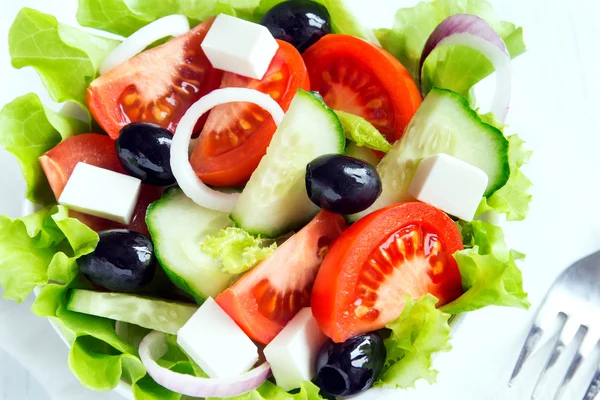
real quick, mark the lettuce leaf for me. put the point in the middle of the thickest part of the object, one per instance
(490, 275)
(66, 58)
(446, 67)
(514, 197)
(237, 250)
(419, 332)
(28, 130)
(361, 132)
(270, 391)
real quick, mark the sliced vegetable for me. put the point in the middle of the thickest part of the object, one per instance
(490, 275)
(445, 123)
(405, 249)
(267, 297)
(28, 130)
(419, 332)
(274, 201)
(362, 153)
(446, 67)
(362, 79)
(150, 313)
(361, 132)
(471, 31)
(172, 25)
(154, 346)
(178, 226)
(237, 250)
(191, 185)
(157, 85)
(236, 136)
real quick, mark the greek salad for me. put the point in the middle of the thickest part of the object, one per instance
(262, 199)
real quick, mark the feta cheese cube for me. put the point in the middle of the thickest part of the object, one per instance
(293, 353)
(239, 46)
(215, 342)
(449, 184)
(102, 193)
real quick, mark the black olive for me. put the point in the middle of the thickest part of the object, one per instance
(299, 22)
(342, 184)
(122, 262)
(349, 368)
(145, 152)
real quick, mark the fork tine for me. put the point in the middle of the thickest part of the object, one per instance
(559, 347)
(594, 387)
(575, 363)
(534, 336)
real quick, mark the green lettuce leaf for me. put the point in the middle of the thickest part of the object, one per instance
(40, 248)
(361, 132)
(66, 58)
(490, 275)
(28, 130)
(514, 197)
(457, 68)
(419, 332)
(237, 250)
(270, 391)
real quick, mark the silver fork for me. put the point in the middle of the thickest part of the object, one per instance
(573, 299)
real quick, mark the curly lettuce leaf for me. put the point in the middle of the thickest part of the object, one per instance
(40, 248)
(236, 250)
(514, 198)
(28, 130)
(457, 68)
(270, 391)
(66, 58)
(361, 132)
(419, 332)
(490, 275)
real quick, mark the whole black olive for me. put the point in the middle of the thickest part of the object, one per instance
(122, 262)
(342, 184)
(347, 369)
(299, 22)
(145, 152)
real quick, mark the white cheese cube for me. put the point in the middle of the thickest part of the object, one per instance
(239, 46)
(449, 184)
(215, 342)
(293, 353)
(102, 193)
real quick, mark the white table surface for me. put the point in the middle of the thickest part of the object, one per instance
(554, 108)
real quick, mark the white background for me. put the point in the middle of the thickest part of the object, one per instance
(556, 110)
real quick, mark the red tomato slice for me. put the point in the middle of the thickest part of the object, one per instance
(268, 296)
(357, 77)
(157, 85)
(98, 150)
(405, 249)
(236, 135)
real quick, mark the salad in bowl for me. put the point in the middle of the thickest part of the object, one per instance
(262, 199)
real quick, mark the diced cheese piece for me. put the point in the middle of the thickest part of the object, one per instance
(293, 353)
(239, 46)
(215, 342)
(102, 193)
(449, 184)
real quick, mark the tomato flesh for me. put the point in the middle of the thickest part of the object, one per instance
(236, 135)
(360, 78)
(97, 150)
(157, 85)
(405, 249)
(267, 297)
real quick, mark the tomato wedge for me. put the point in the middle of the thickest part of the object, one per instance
(157, 85)
(360, 78)
(98, 150)
(405, 249)
(268, 296)
(236, 136)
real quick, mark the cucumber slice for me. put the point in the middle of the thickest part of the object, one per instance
(147, 312)
(178, 226)
(444, 123)
(274, 201)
